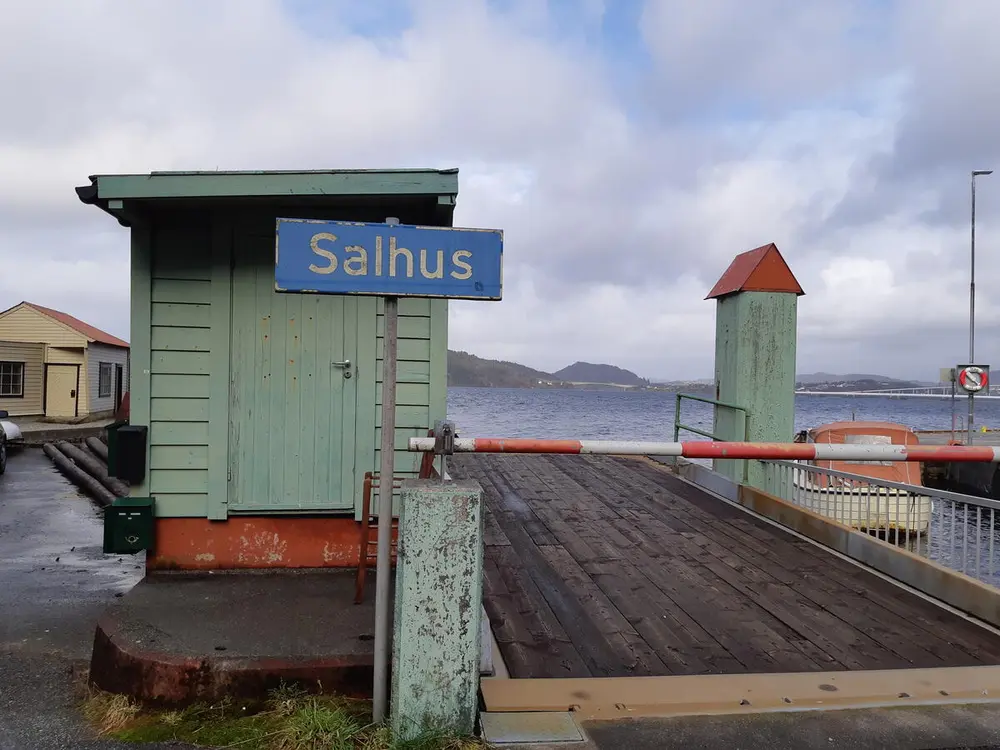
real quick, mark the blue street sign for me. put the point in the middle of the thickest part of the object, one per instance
(388, 260)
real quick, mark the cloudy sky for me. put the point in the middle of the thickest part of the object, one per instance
(628, 148)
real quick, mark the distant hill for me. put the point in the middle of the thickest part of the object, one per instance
(864, 384)
(466, 369)
(700, 387)
(585, 372)
(824, 381)
(826, 377)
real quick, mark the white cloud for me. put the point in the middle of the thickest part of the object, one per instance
(764, 54)
(798, 123)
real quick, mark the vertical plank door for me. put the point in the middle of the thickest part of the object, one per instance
(292, 410)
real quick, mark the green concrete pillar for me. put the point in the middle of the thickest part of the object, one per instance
(755, 336)
(439, 591)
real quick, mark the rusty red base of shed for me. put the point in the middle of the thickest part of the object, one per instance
(256, 542)
(179, 638)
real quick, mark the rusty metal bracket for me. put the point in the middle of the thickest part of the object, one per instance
(444, 442)
(444, 438)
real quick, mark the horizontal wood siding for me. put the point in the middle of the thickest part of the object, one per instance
(180, 369)
(32, 356)
(187, 346)
(27, 324)
(64, 345)
(97, 353)
(420, 379)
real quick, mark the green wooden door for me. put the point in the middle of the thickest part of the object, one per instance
(292, 410)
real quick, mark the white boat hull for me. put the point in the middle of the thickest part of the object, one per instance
(869, 508)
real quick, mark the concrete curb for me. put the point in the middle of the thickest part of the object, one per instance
(119, 665)
(37, 438)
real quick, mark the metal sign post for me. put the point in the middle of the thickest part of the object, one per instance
(973, 379)
(387, 470)
(387, 260)
(385, 489)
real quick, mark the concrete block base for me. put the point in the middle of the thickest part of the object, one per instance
(439, 580)
(178, 638)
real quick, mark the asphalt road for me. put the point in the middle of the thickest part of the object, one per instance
(945, 727)
(54, 582)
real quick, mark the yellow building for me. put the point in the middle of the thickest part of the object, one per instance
(55, 365)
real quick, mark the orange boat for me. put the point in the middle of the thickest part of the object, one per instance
(853, 499)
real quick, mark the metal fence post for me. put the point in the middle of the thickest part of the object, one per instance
(677, 416)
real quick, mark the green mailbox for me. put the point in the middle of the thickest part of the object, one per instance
(128, 525)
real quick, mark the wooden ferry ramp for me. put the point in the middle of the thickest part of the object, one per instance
(599, 566)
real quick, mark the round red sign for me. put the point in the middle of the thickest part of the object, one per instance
(973, 379)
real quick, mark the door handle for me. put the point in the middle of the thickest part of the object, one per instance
(345, 365)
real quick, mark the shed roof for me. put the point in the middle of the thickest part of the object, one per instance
(762, 269)
(84, 329)
(111, 191)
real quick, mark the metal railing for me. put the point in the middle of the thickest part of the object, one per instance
(678, 425)
(944, 391)
(960, 532)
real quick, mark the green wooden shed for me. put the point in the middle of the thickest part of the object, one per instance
(263, 408)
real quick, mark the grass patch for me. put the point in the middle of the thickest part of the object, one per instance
(291, 719)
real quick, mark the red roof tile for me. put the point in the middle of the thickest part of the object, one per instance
(759, 270)
(94, 334)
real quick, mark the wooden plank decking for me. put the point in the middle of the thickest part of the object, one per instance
(601, 566)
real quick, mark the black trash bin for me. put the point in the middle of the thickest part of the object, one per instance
(113, 446)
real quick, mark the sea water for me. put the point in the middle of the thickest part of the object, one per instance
(649, 415)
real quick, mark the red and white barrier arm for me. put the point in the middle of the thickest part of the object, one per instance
(705, 449)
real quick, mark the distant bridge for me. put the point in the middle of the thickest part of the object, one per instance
(934, 391)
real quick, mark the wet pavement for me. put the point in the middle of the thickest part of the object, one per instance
(54, 583)
(54, 578)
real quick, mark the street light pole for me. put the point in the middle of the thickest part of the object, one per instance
(972, 292)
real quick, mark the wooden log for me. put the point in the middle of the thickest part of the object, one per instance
(90, 454)
(99, 448)
(95, 454)
(78, 476)
(93, 466)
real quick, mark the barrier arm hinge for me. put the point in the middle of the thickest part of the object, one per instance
(444, 442)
